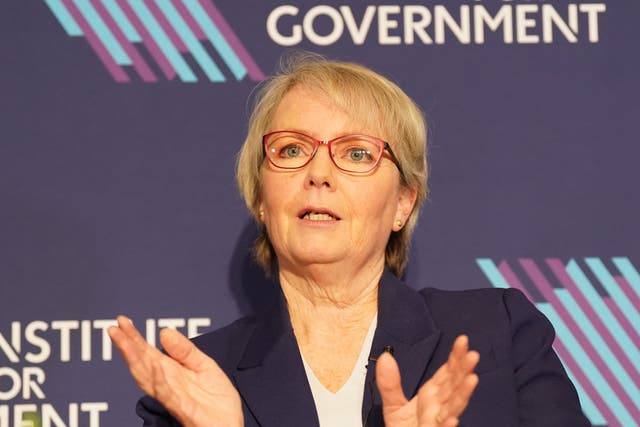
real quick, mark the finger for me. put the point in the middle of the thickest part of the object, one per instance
(127, 346)
(389, 383)
(456, 379)
(458, 350)
(126, 325)
(456, 372)
(428, 404)
(144, 361)
(185, 352)
(459, 401)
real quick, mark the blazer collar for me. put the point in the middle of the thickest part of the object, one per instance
(271, 378)
(405, 323)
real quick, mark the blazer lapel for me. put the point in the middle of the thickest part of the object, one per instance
(405, 324)
(270, 377)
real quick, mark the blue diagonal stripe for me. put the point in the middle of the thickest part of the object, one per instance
(491, 271)
(121, 19)
(599, 344)
(601, 309)
(612, 287)
(589, 408)
(169, 50)
(103, 32)
(218, 41)
(578, 353)
(190, 40)
(629, 272)
(64, 17)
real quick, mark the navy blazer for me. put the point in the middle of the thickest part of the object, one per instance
(522, 382)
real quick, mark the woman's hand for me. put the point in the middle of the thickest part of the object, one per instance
(187, 382)
(440, 401)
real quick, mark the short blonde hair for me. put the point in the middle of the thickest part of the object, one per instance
(371, 100)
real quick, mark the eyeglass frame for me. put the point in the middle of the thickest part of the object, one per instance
(317, 142)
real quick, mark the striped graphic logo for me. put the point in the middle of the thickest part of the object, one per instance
(594, 308)
(123, 33)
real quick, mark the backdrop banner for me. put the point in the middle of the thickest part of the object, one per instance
(120, 124)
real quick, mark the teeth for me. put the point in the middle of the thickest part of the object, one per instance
(318, 216)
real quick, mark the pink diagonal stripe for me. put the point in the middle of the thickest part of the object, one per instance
(561, 274)
(138, 62)
(513, 281)
(166, 26)
(622, 319)
(628, 291)
(545, 288)
(114, 69)
(252, 68)
(575, 368)
(584, 381)
(149, 42)
(191, 23)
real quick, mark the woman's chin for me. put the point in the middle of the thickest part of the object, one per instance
(317, 253)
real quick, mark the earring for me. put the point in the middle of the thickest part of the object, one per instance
(399, 223)
(261, 214)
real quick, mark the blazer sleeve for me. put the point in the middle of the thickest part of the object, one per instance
(546, 396)
(154, 414)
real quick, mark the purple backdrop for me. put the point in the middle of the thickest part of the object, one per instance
(121, 120)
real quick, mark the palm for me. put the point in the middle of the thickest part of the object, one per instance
(188, 383)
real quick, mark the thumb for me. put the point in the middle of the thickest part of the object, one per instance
(389, 384)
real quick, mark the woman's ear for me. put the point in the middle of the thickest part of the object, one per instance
(261, 212)
(406, 201)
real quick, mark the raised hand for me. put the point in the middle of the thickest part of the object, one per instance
(440, 401)
(189, 384)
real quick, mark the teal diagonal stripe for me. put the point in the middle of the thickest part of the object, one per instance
(190, 40)
(121, 19)
(629, 272)
(612, 287)
(579, 354)
(491, 271)
(163, 41)
(64, 18)
(589, 408)
(219, 42)
(102, 31)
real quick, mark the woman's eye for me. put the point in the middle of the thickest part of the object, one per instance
(291, 151)
(359, 155)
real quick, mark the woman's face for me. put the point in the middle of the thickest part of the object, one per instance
(319, 214)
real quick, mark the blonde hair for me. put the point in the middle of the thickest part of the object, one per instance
(371, 100)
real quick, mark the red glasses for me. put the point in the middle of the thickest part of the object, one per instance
(355, 153)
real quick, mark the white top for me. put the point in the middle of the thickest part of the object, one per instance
(343, 408)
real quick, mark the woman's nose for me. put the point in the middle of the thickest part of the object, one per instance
(321, 170)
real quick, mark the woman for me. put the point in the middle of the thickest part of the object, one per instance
(334, 168)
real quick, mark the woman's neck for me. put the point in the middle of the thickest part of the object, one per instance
(322, 300)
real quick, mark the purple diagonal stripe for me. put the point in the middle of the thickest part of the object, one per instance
(191, 23)
(252, 68)
(545, 288)
(149, 42)
(566, 355)
(622, 319)
(558, 270)
(166, 26)
(114, 69)
(580, 376)
(137, 61)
